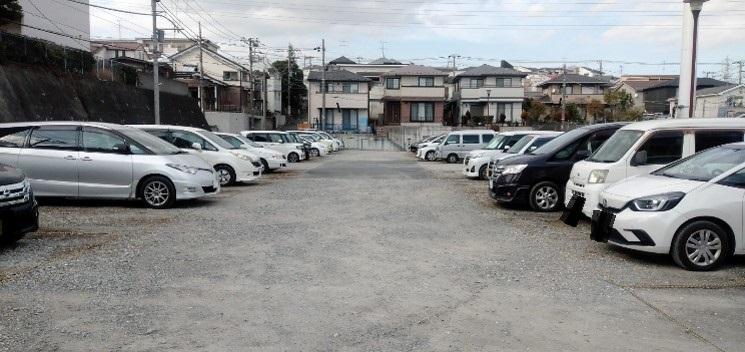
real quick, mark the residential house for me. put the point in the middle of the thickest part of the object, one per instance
(722, 101)
(577, 89)
(347, 101)
(490, 92)
(108, 50)
(635, 85)
(43, 19)
(660, 98)
(413, 95)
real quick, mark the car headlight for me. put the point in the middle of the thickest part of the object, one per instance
(598, 176)
(243, 157)
(514, 169)
(191, 170)
(659, 202)
(298, 147)
(276, 156)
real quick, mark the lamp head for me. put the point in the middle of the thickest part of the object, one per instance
(696, 5)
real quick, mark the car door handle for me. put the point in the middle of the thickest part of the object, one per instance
(69, 157)
(86, 158)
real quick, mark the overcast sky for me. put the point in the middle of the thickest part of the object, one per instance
(530, 32)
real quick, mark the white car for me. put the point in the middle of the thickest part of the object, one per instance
(272, 160)
(476, 164)
(231, 164)
(428, 150)
(279, 141)
(640, 148)
(316, 148)
(338, 144)
(691, 209)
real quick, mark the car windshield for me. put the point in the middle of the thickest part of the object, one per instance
(517, 147)
(248, 142)
(616, 146)
(312, 137)
(287, 138)
(497, 142)
(560, 141)
(292, 138)
(706, 165)
(215, 139)
(152, 143)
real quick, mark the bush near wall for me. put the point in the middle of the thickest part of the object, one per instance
(37, 52)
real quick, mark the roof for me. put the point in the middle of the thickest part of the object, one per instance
(575, 79)
(716, 90)
(487, 70)
(337, 76)
(131, 46)
(415, 70)
(209, 51)
(640, 85)
(342, 60)
(687, 123)
(384, 61)
(700, 82)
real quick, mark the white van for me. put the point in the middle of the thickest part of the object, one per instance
(459, 143)
(643, 147)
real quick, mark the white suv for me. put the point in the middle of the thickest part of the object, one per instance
(279, 141)
(271, 159)
(691, 209)
(231, 164)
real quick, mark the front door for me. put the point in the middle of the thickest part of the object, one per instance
(51, 161)
(393, 113)
(105, 165)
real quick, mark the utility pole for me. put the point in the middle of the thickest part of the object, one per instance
(156, 53)
(323, 81)
(289, 80)
(265, 88)
(563, 96)
(251, 84)
(601, 67)
(739, 70)
(202, 100)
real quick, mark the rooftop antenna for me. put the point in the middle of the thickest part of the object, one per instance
(382, 48)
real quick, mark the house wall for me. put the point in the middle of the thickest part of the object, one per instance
(554, 92)
(73, 18)
(729, 104)
(213, 67)
(227, 121)
(638, 96)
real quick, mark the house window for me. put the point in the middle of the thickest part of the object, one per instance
(504, 82)
(229, 75)
(589, 90)
(422, 112)
(351, 88)
(477, 82)
(392, 83)
(569, 90)
(426, 81)
(506, 110)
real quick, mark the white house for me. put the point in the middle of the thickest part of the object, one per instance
(723, 101)
(61, 22)
(347, 101)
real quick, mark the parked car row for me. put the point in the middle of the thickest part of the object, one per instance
(156, 164)
(674, 187)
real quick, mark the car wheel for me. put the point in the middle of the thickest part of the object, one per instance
(315, 153)
(701, 246)
(430, 156)
(226, 175)
(545, 197)
(158, 192)
(266, 166)
(482, 172)
(452, 159)
(293, 157)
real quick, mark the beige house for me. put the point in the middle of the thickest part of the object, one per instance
(347, 101)
(576, 89)
(490, 92)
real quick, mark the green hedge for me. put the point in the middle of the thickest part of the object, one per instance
(26, 50)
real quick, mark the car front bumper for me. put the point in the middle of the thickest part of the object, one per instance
(472, 166)
(504, 189)
(276, 164)
(642, 231)
(204, 183)
(20, 219)
(249, 173)
(590, 192)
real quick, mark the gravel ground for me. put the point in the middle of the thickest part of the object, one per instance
(360, 251)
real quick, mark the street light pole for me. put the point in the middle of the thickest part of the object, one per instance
(696, 6)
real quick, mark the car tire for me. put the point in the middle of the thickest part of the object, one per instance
(293, 157)
(315, 152)
(430, 156)
(266, 166)
(226, 175)
(157, 192)
(452, 158)
(545, 197)
(701, 246)
(482, 172)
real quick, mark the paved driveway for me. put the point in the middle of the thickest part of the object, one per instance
(362, 251)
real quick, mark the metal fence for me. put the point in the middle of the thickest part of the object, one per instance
(32, 51)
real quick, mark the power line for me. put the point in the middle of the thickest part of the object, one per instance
(110, 8)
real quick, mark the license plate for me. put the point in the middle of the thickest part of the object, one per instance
(602, 225)
(578, 194)
(573, 211)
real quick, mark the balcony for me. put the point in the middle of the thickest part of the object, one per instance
(495, 93)
(433, 93)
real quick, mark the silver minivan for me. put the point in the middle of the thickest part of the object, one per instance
(98, 160)
(459, 143)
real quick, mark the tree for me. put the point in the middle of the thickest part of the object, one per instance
(10, 11)
(572, 113)
(594, 108)
(535, 110)
(298, 92)
(618, 101)
(633, 114)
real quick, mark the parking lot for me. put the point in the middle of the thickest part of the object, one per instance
(362, 251)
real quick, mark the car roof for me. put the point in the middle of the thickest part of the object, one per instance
(686, 123)
(529, 133)
(106, 125)
(170, 127)
(226, 134)
(263, 132)
(474, 131)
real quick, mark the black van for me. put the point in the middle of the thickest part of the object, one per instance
(19, 213)
(539, 178)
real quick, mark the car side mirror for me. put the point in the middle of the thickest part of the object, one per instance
(640, 158)
(532, 148)
(196, 146)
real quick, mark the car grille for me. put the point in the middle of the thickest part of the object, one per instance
(13, 194)
(256, 163)
(209, 189)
